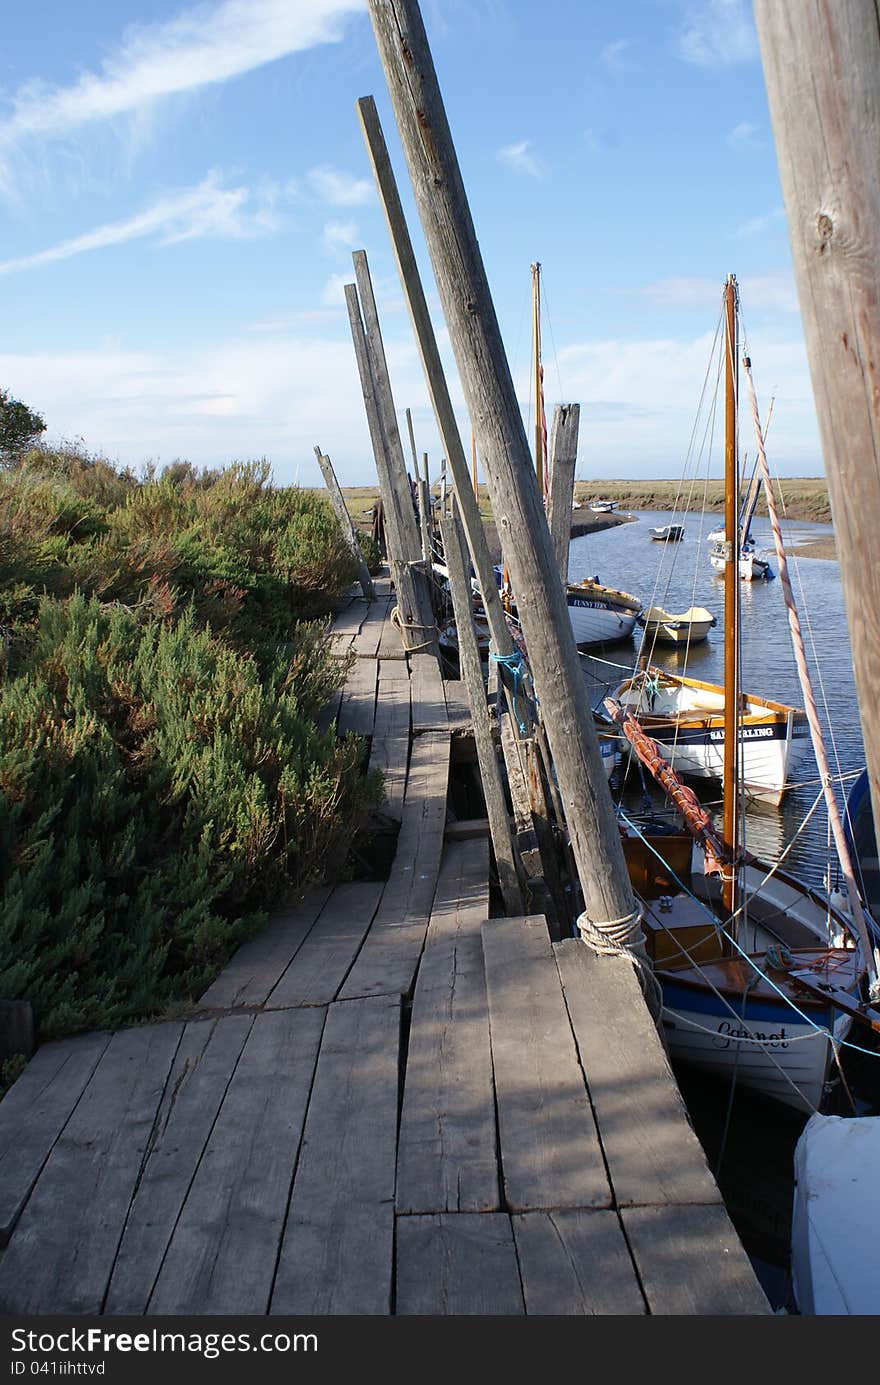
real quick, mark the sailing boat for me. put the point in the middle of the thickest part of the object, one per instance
(598, 614)
(687, 717)
(761, 976)
(752, 568)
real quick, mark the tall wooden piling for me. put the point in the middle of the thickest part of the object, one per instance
(563, 459)
(345, 523)
(519, 513)
(472, 675)
(417, 625)
(822, 72)
(423, 517)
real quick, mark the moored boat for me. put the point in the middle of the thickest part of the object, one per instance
(600, 614)
(668, 533)
(670, 627)
(603, 507)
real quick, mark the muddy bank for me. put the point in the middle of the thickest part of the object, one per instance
(587, 524)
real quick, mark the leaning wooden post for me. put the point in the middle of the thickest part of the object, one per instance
(423, 518)
(563, 457)
(472, 674)
(345, 523)
(822, 72)
(401, 550)
(443, 486)
(610, 919)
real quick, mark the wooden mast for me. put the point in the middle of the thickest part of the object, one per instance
(731, 584)
(538, 382)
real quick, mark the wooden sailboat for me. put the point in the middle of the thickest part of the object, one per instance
(761, 976)
(692, 720)
(598, 614)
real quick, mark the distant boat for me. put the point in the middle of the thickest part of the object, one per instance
(667, 627)
(752, 568)
(668, 533)
(603, 507)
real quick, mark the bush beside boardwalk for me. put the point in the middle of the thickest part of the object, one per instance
(162, 780)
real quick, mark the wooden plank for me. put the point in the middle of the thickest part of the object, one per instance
(350, 619)
(200, 1076)
(250, 976)
(550, 1152)
(446, 1147)
(690, 1260)
(427, 696)
(652, 1152)
(62, 1250)
(389, 750)
(390, 641)
(576, 1263)
(366, 642)
(393, 668)
(322, 963)
(358, 711)
(336, 1255)
(460, 1263)
(34, 1112)
(329, 714)
(458, 707)
(223, 1250)
(389, 957)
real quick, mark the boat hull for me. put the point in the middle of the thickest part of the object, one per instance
(600, 615)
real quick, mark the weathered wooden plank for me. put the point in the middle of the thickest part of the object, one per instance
(458, 707)
(550, 1152)
(200, 1076)
(576, 1263)
(358, 711)
(258, 965)
(366, 642)
(461, 1263)
(652, 1152)
(336, 1255)
(446, 1157)
(389, 750)
(222, 1254)
(427, 696)
(690, 1260)
(34, 1112)
(393, 667)
(350, 619)
(62, 1250)
(328, 714)
(321, 964)
(389, 957)
(391, 645)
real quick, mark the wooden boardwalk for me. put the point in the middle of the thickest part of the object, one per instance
(388, 1102)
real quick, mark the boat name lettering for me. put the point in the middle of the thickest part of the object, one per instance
(728, 1032)
(747, 733)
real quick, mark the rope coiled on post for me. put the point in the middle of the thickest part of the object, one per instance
(624, 937)
(397, 619)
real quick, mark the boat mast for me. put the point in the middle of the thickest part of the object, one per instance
(731, 587)
(540, 429)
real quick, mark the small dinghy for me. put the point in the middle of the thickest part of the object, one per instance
(668, 533)
(669, 627)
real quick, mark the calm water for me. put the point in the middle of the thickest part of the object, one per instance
(751, 1151)
(678, 575)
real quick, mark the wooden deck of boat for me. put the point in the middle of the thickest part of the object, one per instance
(387, 1103)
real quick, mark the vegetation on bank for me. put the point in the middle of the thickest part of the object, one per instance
(162, 778)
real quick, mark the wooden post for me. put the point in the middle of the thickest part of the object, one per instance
(472, 674)
(402, 551)
(822, 72)
(563, 457)
(345, 523)
(444, 413)
(423, 518)
(430, 508)
(518, 508)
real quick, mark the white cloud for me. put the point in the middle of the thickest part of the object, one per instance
(742, 136)
(760, 293)
(759, 224)
(334, 290)
(615, 56)
(520, 158)
(205, 210)
(340, 189)
(717, 33)
(340, 236)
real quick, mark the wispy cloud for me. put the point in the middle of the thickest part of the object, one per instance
(761, 293)
(204, 45)
(616, 56)
(338, 188)
(520, 158)
(742, 136)
(205, 210)
(759, 224)
(340, 236)
(717, 34)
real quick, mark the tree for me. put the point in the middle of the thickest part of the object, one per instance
(19, 426)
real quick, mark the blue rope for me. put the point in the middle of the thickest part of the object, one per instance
(514, 664)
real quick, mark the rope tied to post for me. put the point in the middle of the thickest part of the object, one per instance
(624, 937)
(513, 663)
(398, 620)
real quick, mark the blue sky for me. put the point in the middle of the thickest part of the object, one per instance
(181, 189)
